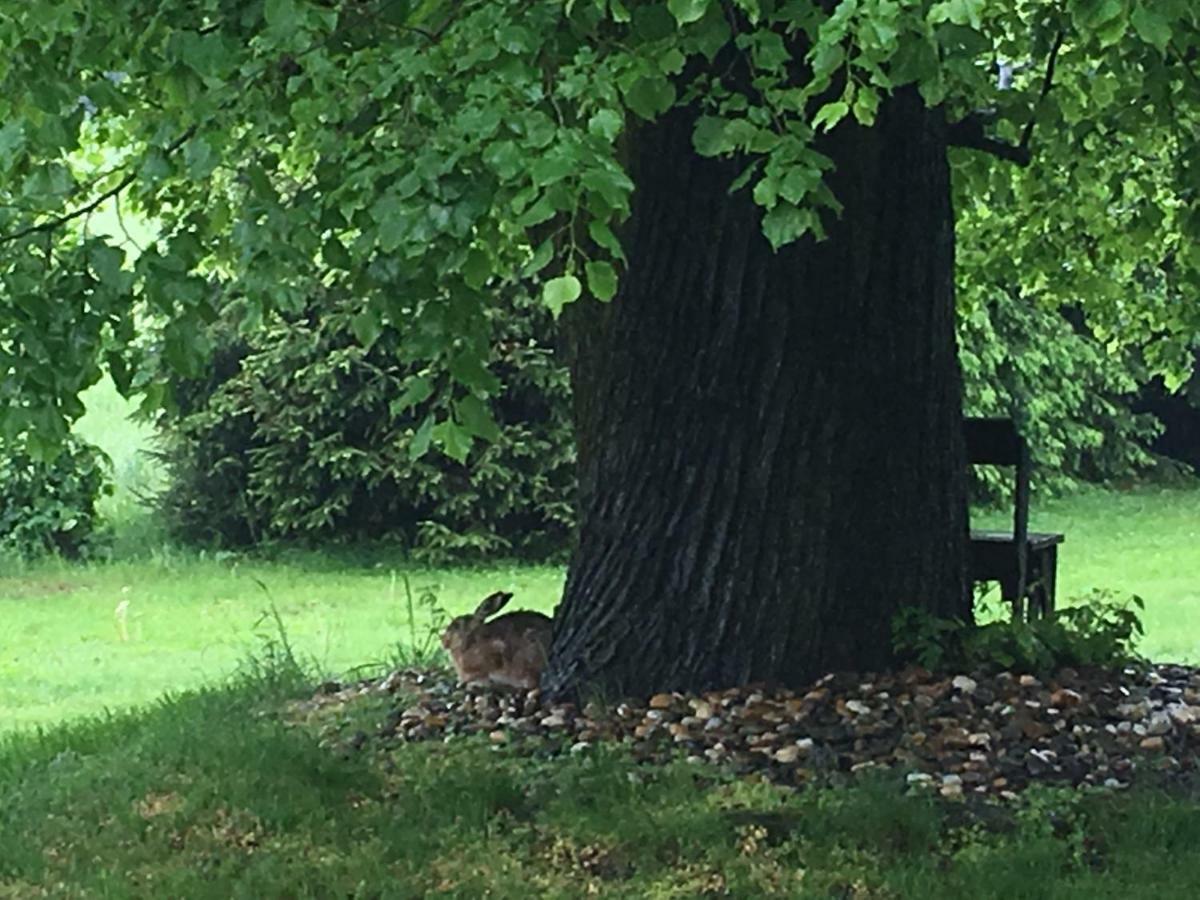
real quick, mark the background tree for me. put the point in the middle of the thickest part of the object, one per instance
(768, 412)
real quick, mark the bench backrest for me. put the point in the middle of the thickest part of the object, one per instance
(997, 442)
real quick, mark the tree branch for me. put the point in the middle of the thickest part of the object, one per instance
(59, 221)
(969, 133)
(1047, 83)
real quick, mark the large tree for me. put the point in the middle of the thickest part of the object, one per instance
(746, 203)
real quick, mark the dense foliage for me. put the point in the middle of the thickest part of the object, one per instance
(50, 506)
(433, 150)
(1100, 630)
(1070, 395)
(298, 431)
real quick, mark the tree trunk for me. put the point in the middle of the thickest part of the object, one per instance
(771, 461)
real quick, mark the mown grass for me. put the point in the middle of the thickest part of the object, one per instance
(188, 620)
(1144, 541)
(213, 794)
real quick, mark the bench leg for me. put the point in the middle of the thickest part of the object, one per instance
(1010, 595)
(1043, 575)
(1050, 579)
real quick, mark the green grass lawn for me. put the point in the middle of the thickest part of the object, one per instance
(213, 794)
(1144, 542)
(189, 621)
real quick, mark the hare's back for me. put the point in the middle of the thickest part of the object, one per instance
(521, 623)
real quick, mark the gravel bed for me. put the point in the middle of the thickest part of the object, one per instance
(966, 734)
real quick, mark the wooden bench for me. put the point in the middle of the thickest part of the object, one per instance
(1024, 562)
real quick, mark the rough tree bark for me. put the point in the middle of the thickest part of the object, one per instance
(770, 450)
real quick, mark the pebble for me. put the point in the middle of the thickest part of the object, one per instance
(1076, 728)
(964, 683)
(788, 754)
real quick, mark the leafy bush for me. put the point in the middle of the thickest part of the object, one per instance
(50, 507)
(1098, 630)
(1071, 397)
(299, 432)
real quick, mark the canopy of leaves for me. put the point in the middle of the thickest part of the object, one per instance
(429, 149)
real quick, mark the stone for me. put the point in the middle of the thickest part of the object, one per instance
(660, 701)
(1131, 711)
(965, 684)
(1184, 714)
(1152, 744)
(1065, 698)
(788, 754)
(1159, 723)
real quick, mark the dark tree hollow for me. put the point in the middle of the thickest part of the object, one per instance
(771, 459)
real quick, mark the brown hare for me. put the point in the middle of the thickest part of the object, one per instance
(510, 650)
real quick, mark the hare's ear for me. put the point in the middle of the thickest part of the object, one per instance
(492, 604)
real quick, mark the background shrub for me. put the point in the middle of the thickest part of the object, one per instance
(296, 433)
(1071, 397)
(50, 507)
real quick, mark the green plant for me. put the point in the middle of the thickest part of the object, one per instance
(1098, 629)
(49, 506)
(1069, 392)
(423, 647)
(302, 432)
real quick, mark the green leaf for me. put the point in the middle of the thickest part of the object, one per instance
(558, 292)
(710, 137)
(540, 259)
(1151, 26)
(866, 106)
(960, 12)
(454, 441)
(468, 369)
(417, 390)
(476, 418)
(420, 442)
(335, 255)
(650, 96)
(603, 235)
(477, 269)
(106, 262)
(366, 327)
(280, 14)
(785, 223)
(606, 124)
(12, 136)
(830, 114)
(686, 11)
(602, 279)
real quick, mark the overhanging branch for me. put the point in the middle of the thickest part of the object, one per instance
(970, 133)
(59, 221)
(1047, 83)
